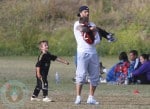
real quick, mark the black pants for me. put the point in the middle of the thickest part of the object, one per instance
(143, 79)
(102, 33)
(42, 84)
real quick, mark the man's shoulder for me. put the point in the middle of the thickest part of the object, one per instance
(76, 23)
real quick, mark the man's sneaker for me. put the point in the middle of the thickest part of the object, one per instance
(46, 99)
(35, 99)
(78, 100)
(91, 100)
(102, 80)
(111, 37)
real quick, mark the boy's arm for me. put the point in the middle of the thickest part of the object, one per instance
(38, 72)
(62, 61)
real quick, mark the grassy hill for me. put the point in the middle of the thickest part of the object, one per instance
(23, 23)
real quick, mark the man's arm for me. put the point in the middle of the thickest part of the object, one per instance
(140, 70)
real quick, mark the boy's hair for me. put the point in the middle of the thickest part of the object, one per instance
(135, 52)
(43, 41)
(83, 19)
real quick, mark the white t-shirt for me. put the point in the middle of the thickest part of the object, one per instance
(82, 45)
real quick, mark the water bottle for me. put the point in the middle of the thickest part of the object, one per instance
(126, 81)
(57, 78)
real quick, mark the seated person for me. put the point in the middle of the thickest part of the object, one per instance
(119, 71)
(134, 64)
(143, 72)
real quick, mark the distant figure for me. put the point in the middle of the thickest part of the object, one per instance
(143, 72)
(118, 73)
(134, 64)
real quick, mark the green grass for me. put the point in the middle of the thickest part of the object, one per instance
(110, 96)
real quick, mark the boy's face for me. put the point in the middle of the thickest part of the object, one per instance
(44, 47)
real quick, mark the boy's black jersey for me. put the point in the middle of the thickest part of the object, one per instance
(44, 61)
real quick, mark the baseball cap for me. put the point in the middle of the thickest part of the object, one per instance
(81, 9)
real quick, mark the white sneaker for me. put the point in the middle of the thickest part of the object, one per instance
(103, 80)
(35, 99)
(91, 100)
(46, 99)
(78, 100)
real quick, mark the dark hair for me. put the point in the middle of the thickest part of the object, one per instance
(43, 41)
(123, 56)
(145, 56)
(81, 9)
(83, 19)
(135, 52)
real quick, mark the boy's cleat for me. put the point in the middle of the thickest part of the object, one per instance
(91, 100)
(111, 38)
(78, 100)
(35, 99)
(46, 99)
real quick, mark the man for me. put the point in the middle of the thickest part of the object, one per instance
(87, 59)
(104, 34)
(134, 64)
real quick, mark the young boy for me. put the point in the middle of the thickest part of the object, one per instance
(88, 32)
(42, 68)
(84, 27)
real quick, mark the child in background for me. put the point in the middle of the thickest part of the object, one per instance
(118, 73)
(42, 68)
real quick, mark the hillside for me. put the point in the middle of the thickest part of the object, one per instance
(23, 23)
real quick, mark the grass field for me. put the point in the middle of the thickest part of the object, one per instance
(22, 69)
